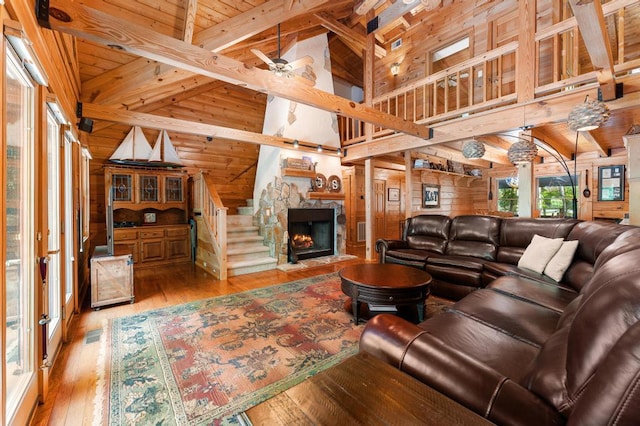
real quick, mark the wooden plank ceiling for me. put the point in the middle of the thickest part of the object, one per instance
(117, 79)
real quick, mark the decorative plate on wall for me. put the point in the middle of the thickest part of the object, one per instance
(334, 184)
(320, 183)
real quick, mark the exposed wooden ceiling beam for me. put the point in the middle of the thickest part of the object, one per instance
(252, 22)
(166, 101)
(536, 113)
(447, 153)
(363, 6)
(390, 14)
(149, 121)
(190, 10)
(590, 20)
(92, 24)
(540, 134)
(354, 40)
(216, 38)
(597, 145)
(382, 164)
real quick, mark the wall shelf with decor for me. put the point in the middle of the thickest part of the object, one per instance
(290, 172)
(468, 178)
(325, 196)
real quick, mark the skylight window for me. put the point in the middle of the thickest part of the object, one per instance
(451, 49)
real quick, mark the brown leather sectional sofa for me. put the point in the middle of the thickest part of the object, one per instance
(521, 348)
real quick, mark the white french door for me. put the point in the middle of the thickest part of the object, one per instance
(19, 366)
(69, 234)
(54, 256)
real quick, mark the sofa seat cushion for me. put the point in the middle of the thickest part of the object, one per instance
(518, 318)
(461, 270)
(410, 254)
(483, 343)
(549, 295)
(464, 262)
(497, 269)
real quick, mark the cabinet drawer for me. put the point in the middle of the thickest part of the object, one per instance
(125, 234)
(177, 232)
(156, 233)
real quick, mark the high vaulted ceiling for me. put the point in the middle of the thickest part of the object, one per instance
(117, 77)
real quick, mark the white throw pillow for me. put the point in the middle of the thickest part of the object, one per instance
(539, 253)
(560, 262)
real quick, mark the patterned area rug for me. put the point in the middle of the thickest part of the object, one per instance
(204, 362)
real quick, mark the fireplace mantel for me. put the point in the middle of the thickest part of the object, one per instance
(325, 196)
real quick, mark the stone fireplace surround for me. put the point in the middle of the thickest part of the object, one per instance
(272, 216)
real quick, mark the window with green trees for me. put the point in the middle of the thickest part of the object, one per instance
(555, 196)
(508, 195)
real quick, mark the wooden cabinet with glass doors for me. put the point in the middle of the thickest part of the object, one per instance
(148, 214)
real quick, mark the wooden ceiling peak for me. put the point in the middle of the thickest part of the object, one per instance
(100, 27)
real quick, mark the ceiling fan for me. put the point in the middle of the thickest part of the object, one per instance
(281, 67)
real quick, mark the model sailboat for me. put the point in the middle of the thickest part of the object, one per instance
(134, 149)
(164, 153)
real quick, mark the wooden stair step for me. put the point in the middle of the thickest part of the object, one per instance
(244, 239)
(247, 250)
(242, 229)
(249, 266)
(239, 220)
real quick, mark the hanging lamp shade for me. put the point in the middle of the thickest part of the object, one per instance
(522, 152)
(473, 149)
(587, 116)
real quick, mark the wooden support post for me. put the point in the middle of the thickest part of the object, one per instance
(632, 142)
(408, 178)
(368, 208)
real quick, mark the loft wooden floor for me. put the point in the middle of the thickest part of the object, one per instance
(72, 385)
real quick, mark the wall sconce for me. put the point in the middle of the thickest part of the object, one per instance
(395, 69)
(266, 215)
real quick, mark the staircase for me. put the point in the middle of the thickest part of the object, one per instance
(246, 252)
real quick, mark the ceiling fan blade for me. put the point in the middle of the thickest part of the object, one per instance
(302, 62)
(263, 57)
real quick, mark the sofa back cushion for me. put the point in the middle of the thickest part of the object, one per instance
(476, 236)
(594, 237)
(427, 232)
(606, 310)
(516, 234)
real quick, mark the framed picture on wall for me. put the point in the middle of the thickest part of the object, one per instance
(430, 195)
(611, 183)
(393, 194)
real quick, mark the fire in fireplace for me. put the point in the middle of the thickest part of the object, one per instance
(311, 232)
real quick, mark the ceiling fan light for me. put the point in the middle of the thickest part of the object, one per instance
(587, 116)
(522, 152)
(473, 149)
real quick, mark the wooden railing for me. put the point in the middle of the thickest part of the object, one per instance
(489, 80)
(207, 202)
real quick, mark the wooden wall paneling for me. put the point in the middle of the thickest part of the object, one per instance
(445, 26)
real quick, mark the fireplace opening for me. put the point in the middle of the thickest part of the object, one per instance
(311, 233)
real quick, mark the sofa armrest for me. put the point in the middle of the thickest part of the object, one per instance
(453, 373)
(382, 246)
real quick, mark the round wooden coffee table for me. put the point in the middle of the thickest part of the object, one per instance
(385, 284)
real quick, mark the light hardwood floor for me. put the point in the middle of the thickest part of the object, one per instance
(72, 385)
